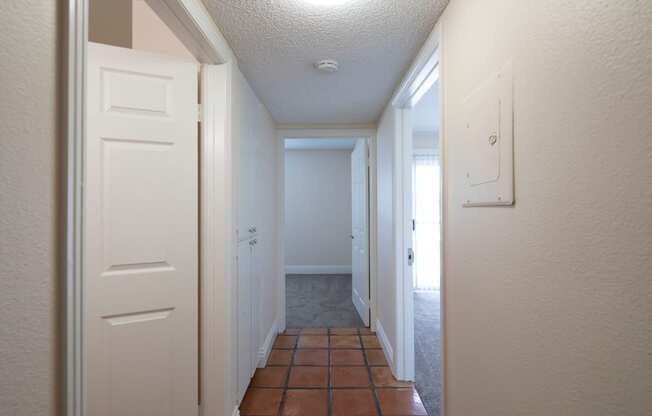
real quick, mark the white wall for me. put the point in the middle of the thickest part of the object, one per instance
(30, 239)
(425, 140)
(258, 199)
(548, 304)
(318, 211)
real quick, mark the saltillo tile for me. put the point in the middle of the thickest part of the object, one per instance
(261, 402)
(400, 402)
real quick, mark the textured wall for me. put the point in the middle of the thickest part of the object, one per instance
(318, 208)
(150, 33)
(549, 302)
(110, 22)
(28, 208)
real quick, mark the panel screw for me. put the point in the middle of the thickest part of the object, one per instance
(493, 139)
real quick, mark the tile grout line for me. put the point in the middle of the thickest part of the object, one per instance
(371, 380)
(329, 387)
(287, 378)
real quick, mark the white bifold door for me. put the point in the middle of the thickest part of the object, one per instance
(247, 320)
(140, 234)
(359, 230)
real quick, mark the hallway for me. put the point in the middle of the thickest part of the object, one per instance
(336, 371)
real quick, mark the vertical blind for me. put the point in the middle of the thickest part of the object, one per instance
(426, 207)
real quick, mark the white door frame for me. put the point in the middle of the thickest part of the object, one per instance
(326, 132)
(423, 73)
(192, 23)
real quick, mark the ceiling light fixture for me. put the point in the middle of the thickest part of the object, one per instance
(327, 65)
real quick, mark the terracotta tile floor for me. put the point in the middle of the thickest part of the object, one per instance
(329, 372)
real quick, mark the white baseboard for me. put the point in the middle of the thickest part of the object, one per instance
(328, 269)
(266, 348)
(384, 342)
(236, 411)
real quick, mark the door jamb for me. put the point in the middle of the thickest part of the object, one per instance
(426, 69)
(192, 23)
(325, 132)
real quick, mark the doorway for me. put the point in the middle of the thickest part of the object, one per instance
(420, 177)
(133, 313)
(426, 243)
(326, 275)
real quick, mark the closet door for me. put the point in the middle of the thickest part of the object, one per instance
(255, 302)
(245, 341)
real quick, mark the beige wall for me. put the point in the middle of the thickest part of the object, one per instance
(549, 302)
(29, 150)
(110, 22)
(151, 34)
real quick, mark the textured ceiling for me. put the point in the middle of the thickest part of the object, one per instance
(277, 42)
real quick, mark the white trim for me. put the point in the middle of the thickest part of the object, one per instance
(218, 241)
(325, 269)
(236, 411)
(331, 127)
(266, 348)
(373, 231)
(74, 120)
(420, 75)
(424, 71)
(195, 28)
(280, 227)
(385, 344)
(405, 343)
(325, 133)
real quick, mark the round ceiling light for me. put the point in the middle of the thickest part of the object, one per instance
(327, 65)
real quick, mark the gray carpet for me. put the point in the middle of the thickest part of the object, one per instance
(427, 349)
(320, 301)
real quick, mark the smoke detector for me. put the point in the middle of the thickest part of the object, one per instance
(327, 65)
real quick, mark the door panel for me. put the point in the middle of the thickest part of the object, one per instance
(140, 241)
(359, 230)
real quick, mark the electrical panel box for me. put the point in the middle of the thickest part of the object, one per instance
(488, 141)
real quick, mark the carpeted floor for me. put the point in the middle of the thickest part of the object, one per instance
(317, 301)
(427, 349)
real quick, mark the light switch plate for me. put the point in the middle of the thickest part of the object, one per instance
(488, 140)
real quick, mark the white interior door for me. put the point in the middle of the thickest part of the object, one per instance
(140, 234)
(359, 230)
